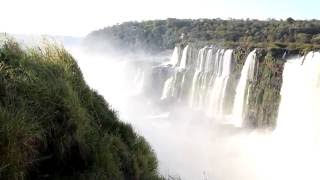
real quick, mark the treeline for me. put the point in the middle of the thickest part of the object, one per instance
(53, 126)
(164, 34)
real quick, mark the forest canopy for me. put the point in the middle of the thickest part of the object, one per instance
(158, 35)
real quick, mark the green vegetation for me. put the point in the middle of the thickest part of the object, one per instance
(264, 98)
(53, 126)
(264, 91)
(160, 35)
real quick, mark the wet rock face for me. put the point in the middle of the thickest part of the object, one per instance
(264, 99)
(263, 96)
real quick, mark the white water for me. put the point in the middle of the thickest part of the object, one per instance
(184, 58)
(198, 89)
(209, 82)
(218, 91)
(174, 85)
(208, 88)
(300, 96)
(175, 57)
(298, 121)
(167, 89)
(240, 102)
(296, 140)
(213, 67)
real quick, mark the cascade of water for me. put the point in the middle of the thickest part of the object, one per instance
(193, 88)
(175, 56)
(184, 58)
(197, 74)
(201, 78)
(210, 79)
(300, 97)
(297, 131)
(174, 86)
(167, 89)
(208, 64)
(213, 67)
(217, 93)
(207, 76)
(247, 75)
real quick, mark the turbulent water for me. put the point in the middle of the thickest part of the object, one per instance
(183, 107)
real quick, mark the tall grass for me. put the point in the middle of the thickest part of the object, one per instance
(52, 125)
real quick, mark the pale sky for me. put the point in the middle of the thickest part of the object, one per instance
(79, 17)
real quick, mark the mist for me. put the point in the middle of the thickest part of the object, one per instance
(189, 145)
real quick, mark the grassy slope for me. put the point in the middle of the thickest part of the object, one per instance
(53, 126)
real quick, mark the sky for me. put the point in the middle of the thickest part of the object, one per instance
(80, 17)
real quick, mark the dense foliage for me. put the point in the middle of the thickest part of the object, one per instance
(264, 94)
(53, 126)
(164, 34)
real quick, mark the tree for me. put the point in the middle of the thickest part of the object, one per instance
(290, 20)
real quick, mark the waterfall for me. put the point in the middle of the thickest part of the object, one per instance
(167, 89)
(175, 84)
(175, 56)
(201, 59)
(193, 88)
(201, 78)
(300, 98)
(211, 70)
(219, 84)
(297, 132)
(240, 101)
(184, 58)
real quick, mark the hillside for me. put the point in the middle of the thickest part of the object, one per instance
(53, 126)
(158, 35)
